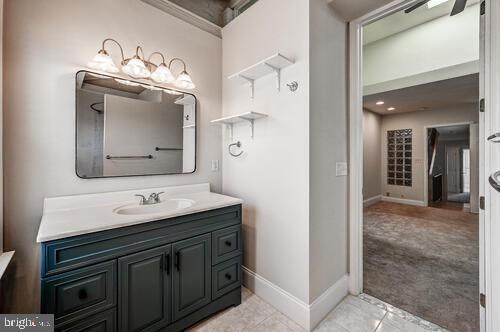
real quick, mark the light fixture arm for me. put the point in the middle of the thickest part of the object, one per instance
(137, 49)
(158, 53)
(178, 59)
(117, 43)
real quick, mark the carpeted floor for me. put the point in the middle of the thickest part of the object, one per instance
(424, 261)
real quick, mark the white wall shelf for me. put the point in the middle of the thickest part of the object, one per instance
(249, 117)
(271, 65)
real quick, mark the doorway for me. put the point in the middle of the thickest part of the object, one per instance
(403, 169)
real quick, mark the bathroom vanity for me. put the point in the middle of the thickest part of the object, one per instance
(111, 264)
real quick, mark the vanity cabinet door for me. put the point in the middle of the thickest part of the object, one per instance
(192, 275)
(144, 294)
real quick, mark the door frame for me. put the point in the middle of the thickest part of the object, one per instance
(426, 159)
(355, 192)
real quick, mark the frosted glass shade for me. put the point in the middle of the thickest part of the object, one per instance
(103, 62)
(136, 68)
(184, 81)
(162, 74)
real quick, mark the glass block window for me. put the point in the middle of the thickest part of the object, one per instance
(399, 155)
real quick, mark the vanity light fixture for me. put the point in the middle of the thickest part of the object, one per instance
(380, 102)
(139, 67)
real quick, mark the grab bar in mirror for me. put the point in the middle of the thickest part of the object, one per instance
(494, 182)
(495, 138)
(129, 157)
(168, 149)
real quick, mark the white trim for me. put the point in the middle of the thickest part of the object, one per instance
(426, 159)
(327, 301)
(402, 201)
(307, 316)
(356, 140)
(372, 200)
(187, 16)
(285, 302)
(5, 259)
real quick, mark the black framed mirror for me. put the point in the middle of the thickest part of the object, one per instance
(131, 128)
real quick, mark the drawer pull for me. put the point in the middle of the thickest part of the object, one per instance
(228, 243)
(82, 294)
(228, 276)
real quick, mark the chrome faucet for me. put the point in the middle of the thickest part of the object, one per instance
(154, 198)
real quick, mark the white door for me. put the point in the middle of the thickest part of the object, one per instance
(465, 171)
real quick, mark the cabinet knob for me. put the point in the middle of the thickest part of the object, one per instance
(228, 276)
(82, 294)
(228, 243)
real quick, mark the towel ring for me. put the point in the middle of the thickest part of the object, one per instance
(237, 144)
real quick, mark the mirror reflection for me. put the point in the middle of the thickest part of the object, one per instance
(126, 128)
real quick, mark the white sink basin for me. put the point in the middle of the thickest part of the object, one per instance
(168, 205)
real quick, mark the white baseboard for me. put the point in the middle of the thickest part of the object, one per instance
(403, 201)
(372, 200)
(327, 301)
(307, 316)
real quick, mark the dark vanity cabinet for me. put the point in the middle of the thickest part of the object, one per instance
(164, 275)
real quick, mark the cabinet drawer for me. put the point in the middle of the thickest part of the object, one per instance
(80, 293)
(102, 322)
(226, 244)
(226, 277)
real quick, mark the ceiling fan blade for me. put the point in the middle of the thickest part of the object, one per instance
(418, 5)
(458, 7)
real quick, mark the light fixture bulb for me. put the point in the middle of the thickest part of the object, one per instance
(380, 102)
(184, 81)
(162, 74)
(391, 108)
(434, 3)
(136, 68)
(103, 62)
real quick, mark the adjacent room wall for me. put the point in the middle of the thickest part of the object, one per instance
(46, 43)
(372, 158)
(327, 146)
(417, 121)
(272, 174)
(421, 54)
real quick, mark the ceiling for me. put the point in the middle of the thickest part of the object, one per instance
(400, 21)
(351, 9)
(452, 93)
(211, 10)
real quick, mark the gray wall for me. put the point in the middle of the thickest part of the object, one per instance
(327, 145)
(372, 154)
(417, 121)
(46, 43)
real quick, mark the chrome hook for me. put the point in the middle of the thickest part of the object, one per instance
(237, 144)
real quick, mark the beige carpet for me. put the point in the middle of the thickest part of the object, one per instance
(424, 261)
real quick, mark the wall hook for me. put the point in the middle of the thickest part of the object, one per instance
(237, 144)
(293, 86)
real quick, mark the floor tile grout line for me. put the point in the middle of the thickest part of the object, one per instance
(380, 322)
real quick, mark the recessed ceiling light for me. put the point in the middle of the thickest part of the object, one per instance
(391, 108)
(434, 3)
(380, 102)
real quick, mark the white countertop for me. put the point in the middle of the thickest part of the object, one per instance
(82, 214)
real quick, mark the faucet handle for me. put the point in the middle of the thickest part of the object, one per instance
(143, 199)
(156, 196)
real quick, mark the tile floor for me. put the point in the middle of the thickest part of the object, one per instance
(353, 314)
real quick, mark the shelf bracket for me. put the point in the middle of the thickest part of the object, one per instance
(251, 126)
(251, 81)
(277, 71)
